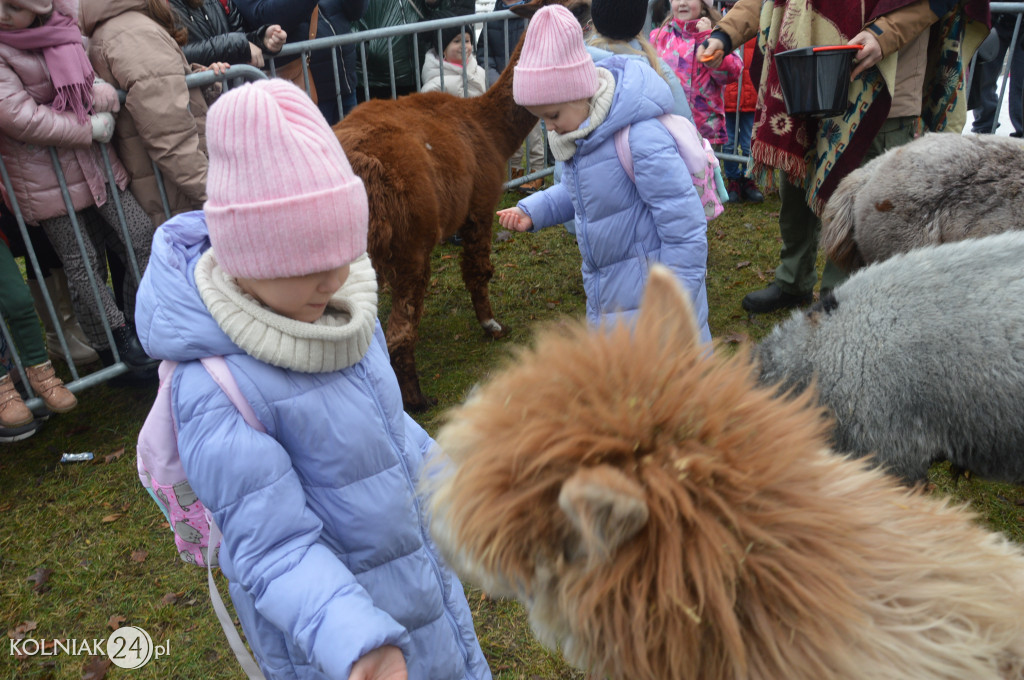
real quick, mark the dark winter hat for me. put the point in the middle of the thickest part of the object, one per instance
(618, 19)
(447, 35)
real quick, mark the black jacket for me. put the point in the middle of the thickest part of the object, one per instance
(336, 18)
(496, 60)
(216, 35)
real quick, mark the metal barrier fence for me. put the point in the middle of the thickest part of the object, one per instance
(476, 22)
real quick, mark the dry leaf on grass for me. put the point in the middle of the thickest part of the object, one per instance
(115, 621)
(96, 668)
(18, 632)
(735, 338)
(40, 577)
(139, 556)
(111, 457)
(113, 517)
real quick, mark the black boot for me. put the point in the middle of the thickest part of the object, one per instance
(773, 298)
(132, 354)
(144, 377)
(749, 191)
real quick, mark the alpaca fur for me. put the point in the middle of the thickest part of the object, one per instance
(941, 187)
(919, 358)
(433, 165)
(663, 517)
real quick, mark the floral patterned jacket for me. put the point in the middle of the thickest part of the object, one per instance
(676, 42)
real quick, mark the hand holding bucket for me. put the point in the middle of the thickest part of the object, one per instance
(870, 52)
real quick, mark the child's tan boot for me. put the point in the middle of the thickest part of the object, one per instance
(13, 412)
(50, 388)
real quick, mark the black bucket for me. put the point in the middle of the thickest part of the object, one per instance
(816, 80)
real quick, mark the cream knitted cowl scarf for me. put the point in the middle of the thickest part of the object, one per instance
(337, 340)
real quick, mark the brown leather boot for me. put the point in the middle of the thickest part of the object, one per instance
(515, 173)
(50, 388)
(13, 412)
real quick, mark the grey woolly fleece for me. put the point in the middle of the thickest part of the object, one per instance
(939, 188)
(920, 358)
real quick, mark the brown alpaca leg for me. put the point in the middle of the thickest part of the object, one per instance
(477, 271)
(402, 334)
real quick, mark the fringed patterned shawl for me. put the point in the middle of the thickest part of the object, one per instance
(816, 154)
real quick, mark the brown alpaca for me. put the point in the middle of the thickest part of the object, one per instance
(433, 165)
(663, 517)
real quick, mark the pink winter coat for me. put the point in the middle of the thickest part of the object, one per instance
(676, 42)
(28, 127)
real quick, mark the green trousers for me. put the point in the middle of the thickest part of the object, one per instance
(19, 312)
(801, 228)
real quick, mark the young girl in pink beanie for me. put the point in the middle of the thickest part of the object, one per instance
(331, 568)
(622, 225)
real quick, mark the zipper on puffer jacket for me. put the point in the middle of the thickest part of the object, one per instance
(342, 73)
(582, 229)
(363, 374)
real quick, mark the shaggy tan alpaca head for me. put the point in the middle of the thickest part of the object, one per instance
(605, 479)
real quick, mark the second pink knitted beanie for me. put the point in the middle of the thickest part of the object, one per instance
(282, 199)
(554, 66)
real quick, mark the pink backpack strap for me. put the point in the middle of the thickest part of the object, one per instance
(684, 134)
(688, 141)
(621, 138)
(221, 374)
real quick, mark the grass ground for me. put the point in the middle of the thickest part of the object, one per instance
(83, 549)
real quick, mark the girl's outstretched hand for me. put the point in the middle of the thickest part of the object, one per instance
(514, 219)
(383, 663)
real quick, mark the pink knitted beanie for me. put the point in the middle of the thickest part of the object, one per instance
(41, 7)
(282, 199)
(554, 66)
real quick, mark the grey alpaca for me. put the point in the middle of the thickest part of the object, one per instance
(939, 188)
(920, 358)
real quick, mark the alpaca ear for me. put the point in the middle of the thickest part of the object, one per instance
(666, 310)
(606, 508)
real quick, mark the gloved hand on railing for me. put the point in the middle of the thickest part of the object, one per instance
(104, 97)
(102, 126)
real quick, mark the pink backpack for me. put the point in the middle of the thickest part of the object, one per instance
(698, 155)
(160, 467)
(195, 534)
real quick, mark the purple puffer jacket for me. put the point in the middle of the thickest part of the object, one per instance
(29, 127)
(623, 226)
(325, 543)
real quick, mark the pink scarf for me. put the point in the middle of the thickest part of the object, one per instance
(69, 68)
